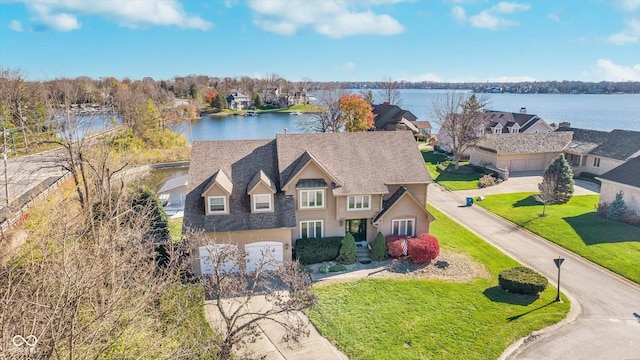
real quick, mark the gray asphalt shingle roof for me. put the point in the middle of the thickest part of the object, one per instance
(527, 143)
(616, 144)
(507, 119)
(361, 163)
(628, 173)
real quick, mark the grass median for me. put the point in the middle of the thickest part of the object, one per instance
(576, 227)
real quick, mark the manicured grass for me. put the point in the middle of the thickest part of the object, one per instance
(175, 229)
(448, 180)
(576, 227)
(431, 319)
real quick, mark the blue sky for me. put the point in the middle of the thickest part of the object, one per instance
(324, 40)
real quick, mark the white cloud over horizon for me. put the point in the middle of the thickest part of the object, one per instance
(332, 18)
(16, 26)
(62, 15)
(606, 70)
(491, 18)
(629, 35)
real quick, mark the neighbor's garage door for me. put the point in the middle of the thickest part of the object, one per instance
(518, 165)
(209, 254)
(535, 164)
(257, 251)
(530, 164)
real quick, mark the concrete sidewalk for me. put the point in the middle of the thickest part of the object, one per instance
(527, 183)
(607, 325)
(270, 345)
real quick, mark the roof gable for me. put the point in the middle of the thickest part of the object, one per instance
(221, 180)
(627, 173)
(261, 178)
(396, 198)
(298, 166)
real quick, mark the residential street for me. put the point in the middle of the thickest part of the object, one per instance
(605, 307)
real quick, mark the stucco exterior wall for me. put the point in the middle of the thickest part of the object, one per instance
(418, 191)
(242, 238)
(606, 164)
(406, 208)
(630, 194)
(482, 158)
(343, 212)
(538, 128)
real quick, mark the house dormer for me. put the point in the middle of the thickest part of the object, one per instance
(261, 190)
(497, 128)
(514, 128)
(217, 194)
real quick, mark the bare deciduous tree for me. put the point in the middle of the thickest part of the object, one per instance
(461, 119)
(547, 194)
(329, 119)
(282, 289)
(389, 92)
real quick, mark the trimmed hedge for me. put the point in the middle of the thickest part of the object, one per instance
(313, 251)
(522, 280)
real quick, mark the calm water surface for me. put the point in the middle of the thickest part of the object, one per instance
(598, 112)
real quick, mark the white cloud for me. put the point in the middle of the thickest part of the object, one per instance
(554, 17)
(332, 18)
(629, 35)
(16, 26)
(606, 70)
(489, 19)
(630, 5)
(62, 15)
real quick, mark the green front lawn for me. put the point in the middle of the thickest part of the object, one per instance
(450, 181)
(432, 319)
(576, 227)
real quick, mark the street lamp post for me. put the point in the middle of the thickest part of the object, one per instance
(558, 262)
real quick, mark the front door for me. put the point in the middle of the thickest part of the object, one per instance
(357, 228)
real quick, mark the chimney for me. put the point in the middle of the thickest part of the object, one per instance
(523, 110)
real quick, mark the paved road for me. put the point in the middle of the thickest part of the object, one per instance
(608, 323)
(26, 172)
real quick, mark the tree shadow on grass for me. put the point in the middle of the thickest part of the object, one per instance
(528, 201)
(516, 317)
(496, 294)
(593, 229)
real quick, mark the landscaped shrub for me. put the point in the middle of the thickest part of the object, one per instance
(522, 280)
(601, 209)
(379, 249)
(423, 248)
(488, 180)
(313, 251)
(394, 245)
(617, 208)
(337, 267)
(630, 217)
(347, 254)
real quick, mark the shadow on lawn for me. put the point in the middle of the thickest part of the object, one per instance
(528, 201)
(593, 229)
(496, 294)
(516, 317)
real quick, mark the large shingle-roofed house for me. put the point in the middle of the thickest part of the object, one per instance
(269, 193)
(625, 178)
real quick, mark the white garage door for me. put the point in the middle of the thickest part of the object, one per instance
(208, 255)
(535, 164)
(256, 252)
(518, 165)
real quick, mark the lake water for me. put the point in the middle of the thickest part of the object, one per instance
(598, 112)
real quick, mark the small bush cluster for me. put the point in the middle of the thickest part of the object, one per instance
(348, 250)
(313, 251)
(488, 180)
(618, 211)
(522, 280)
(379, 249)
(327, 268)
(423, 248)
(394, 245)
(420, 249)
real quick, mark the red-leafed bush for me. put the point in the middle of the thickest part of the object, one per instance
(395, 248)
(391, 238)
(423, 248)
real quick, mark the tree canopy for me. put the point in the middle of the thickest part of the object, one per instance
(356, 114)
(559, 176)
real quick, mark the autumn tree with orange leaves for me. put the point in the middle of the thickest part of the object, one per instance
(356, 113)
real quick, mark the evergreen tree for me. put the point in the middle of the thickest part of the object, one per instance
(616, 210)
(348, 250)
(379, 249)
(560, 171)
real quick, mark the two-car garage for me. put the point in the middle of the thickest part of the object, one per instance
(265, 254)
(531, 162)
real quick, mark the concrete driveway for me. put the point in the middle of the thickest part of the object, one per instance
(270, 345)
(527, 182)
(606, 307)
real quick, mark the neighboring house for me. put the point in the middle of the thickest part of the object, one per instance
(391, 118)
(625, 178)
(172, 194)
(268, 193)
(238, 101)
(424, 127)
(519, 152)
(501, 122)
(274, 97)
(597, 152)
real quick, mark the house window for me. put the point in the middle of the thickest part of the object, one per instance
(262, 202)
(311, 199)
(514, 131)
(403, 227)
(596, 162)
(217, 204)
(359, 202)
(497, 130)
(311, 229)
